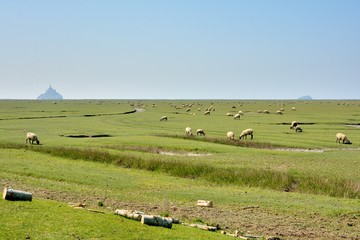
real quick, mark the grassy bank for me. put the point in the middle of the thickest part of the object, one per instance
(71, 181)
(91, 150)
(291, 181)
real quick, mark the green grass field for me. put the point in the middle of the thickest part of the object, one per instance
(281, 183)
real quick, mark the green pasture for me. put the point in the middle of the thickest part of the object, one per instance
(132, 157)
(56, 181)
(45, 219)
(51, 119)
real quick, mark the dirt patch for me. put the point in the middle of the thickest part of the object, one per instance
(257, 221)
(250, 220)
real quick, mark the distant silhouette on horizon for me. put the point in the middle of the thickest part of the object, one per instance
(50, 93)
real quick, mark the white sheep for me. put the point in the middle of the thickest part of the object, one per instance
(241, 112)
(237, 116)
(230, 135)
(266, 111)
(342, 137)
(229, 114)
(279, 112)
(293, 109)
(164, 118)
(298, 129)
(200, 132)
(293, 124)
(246, 132)
(207, 112)
(32, 137)
(188, 131)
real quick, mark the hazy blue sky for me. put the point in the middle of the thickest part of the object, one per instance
(170, 49)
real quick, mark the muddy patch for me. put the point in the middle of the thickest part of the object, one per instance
(315, 150)
(87, 136)
(138, 110)
(299, 150)
(109, 114)
(160, 150)
(299, 123)
(186, 154)
(355, 125)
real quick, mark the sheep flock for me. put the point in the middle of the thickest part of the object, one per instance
(230, 135)
(237, 115)
(32, 138)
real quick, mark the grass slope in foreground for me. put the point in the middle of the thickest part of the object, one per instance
(251, 210)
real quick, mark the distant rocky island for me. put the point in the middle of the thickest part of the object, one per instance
(307, 97)
(50, 93)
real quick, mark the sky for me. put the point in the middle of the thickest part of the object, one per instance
(180, 49)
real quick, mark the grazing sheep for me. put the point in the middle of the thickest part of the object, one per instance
(229, 114)
(164, 118)
(188, 131)
(207, 112)
(266, 111)
(210, 108)
(230, 135)
(241, 112)
(32, 137)
(298, 129)
(342, 137)
(293, 124)
(200, 132)
(293, 109)
(279, 112)
(237, 116)
(246, 132)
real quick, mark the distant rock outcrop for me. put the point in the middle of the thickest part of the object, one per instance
(307, 97)
(50, 93)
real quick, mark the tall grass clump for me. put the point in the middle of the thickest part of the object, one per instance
(89, 154)
(12, 146)
(180, 168)
(269, 179)
(173, 167)
(251, 177)
(225, 141)
(333, 187)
